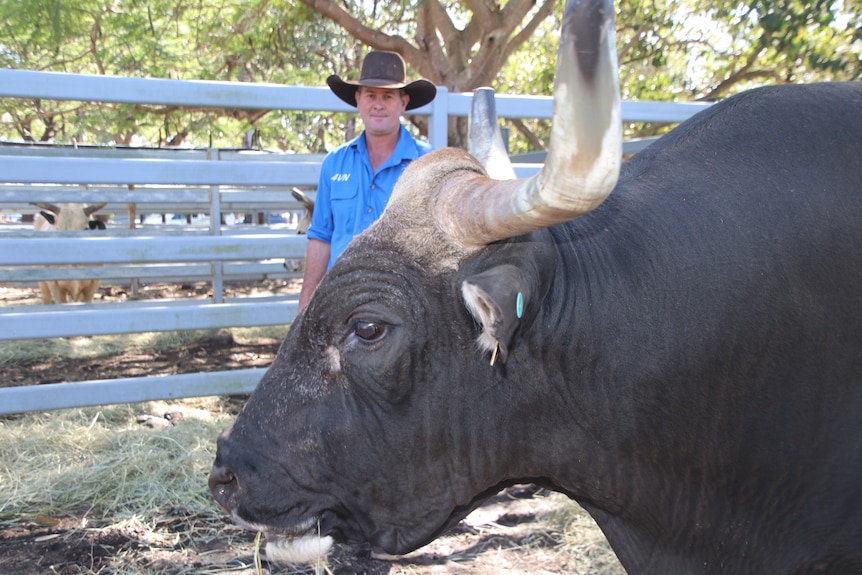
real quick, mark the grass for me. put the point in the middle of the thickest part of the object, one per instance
(584, 546)
(148, 488)
(57, 349)
(101, 459)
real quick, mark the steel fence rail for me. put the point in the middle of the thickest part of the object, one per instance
(204, 181)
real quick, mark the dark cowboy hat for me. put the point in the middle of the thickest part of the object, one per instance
(383, 70)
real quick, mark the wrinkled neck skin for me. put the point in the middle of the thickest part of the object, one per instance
(650, 374)
(438, 471)
(539, 407)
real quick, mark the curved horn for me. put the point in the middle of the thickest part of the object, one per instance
(303, 199)
(486, 141)
(585, 151)
(53, 208)
(90, 210)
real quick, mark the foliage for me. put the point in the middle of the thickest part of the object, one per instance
(233, 40)
(670, 50)
(777, 41)
(684, 50)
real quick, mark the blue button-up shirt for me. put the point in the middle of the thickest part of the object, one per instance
(350, 196)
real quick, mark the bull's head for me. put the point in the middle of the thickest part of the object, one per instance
(71, 217)
(369, 426)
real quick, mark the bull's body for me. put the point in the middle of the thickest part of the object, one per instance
(687, 366)
(703, 336)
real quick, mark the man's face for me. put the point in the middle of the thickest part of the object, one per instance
(381, 109)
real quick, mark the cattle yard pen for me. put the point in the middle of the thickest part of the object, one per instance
(213, 182)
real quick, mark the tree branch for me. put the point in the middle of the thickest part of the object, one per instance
(358, 30)
(534, 142)
(743, 73)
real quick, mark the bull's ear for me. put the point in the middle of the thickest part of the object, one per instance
(497, 298)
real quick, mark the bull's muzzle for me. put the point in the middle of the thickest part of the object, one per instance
(224, 487)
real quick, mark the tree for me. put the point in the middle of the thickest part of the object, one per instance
(669, 50)
(235, 40)
(684, 50)
(263, 40)
(777, 41)
(460, 45)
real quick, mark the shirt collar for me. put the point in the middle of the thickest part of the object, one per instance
(404, 150)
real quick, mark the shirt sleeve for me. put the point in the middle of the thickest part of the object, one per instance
(321, 227)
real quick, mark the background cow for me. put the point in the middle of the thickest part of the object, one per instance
(298, 264)
(308, 210)
(66, 218)
(683, 358)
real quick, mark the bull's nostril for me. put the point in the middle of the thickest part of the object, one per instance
(223, 486)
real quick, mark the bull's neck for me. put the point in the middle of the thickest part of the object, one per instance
(570, 377)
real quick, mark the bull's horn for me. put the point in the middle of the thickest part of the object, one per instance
(585, 150)
(90, 210)
(486, 141)
(53, 208)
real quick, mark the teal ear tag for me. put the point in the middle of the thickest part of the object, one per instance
(519, 305)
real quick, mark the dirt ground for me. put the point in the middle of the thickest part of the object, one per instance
(502, 537)
(217, 351)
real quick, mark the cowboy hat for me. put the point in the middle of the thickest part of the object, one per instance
(383, 70)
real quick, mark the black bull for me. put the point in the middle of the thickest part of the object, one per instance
(686, 364)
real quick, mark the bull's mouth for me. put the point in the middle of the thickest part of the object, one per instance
(296, 549)
(303, 544)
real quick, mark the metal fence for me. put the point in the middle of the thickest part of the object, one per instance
(201, 181)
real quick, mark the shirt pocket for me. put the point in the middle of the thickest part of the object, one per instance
(343, 191)
(343, 198)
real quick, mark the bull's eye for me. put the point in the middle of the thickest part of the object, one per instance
(368, 330)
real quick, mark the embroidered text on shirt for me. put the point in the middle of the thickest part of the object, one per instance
(340, 177)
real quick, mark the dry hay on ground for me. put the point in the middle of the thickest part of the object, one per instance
(95, 491)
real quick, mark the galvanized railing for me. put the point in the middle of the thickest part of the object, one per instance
(205, 181)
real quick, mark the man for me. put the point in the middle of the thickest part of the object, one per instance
(357, 178)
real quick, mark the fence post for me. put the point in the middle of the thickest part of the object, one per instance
(438, 121)
(214, 155)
